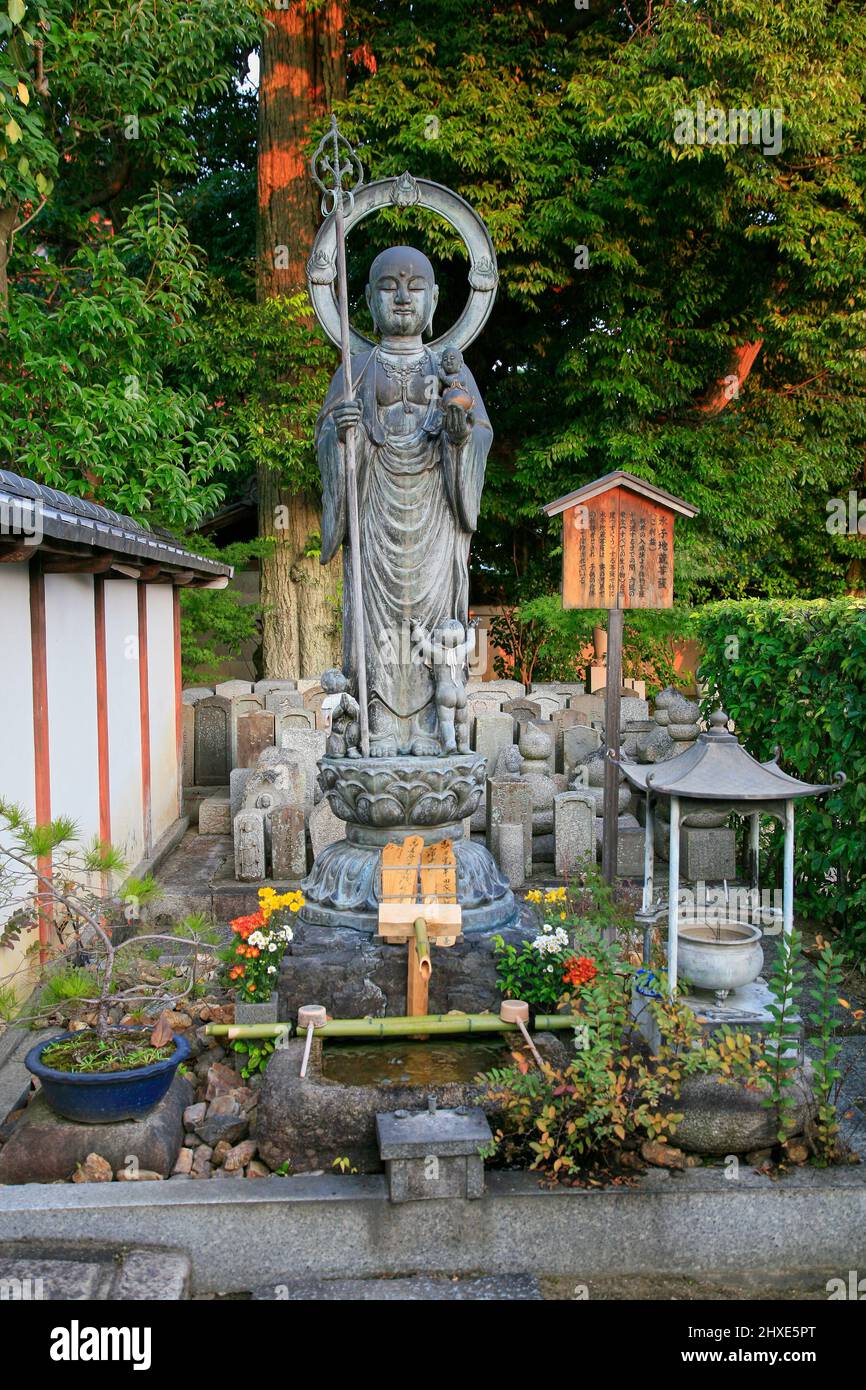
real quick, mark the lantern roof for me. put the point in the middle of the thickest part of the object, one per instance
(718, 768)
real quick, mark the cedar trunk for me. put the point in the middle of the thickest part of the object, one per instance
(302, 75)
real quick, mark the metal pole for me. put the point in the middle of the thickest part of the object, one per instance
(352, 491)
(673, 894)
(344, 161)
(754, 865)
(649, 854)
(610, 833)
(788, 874)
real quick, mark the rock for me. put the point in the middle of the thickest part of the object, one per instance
(257, 1169)
(137, 1175)
(796, 1150)
(228, 1172)
(224, 1105)
(758, 1157)
(228, 1127)
(46, 1148)
(191, 1141)
(95, 1168)
(201, 1161)
(194, 1114)
(240, 1155)
(662, 1155)
(220, 1079)
(177, 1020)
(731, 1118)
(221, 1148)
(183, 1166)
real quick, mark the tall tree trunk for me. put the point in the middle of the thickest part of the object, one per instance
(302, 75)
(8, 215)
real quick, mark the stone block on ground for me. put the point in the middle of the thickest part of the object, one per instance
(731, 1118)
(579, 742)
(47, 1148)
(214, 816)
(325, 827)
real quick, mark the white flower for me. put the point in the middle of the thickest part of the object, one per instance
(549, 969)
(272, 946)
(272, 970)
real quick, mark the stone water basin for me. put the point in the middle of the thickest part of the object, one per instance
(331, 1113)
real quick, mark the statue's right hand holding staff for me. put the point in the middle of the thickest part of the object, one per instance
(346, 416)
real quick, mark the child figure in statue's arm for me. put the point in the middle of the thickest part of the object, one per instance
(344, 737)
(446, 652)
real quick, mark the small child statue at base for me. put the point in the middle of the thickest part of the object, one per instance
(446, 653)
(345, 734)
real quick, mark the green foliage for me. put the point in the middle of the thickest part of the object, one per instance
(573, 1123)
(542, 641)
(257, 1051)
(68, 985)
(559, 125)
(90, 408)
(531, 973)
(214, 622)
(793, 675)
(28, 159)
(781, 1049)
(827, 1077)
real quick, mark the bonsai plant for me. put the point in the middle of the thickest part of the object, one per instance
(100, 1072)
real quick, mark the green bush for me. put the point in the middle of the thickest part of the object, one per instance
(792, 674)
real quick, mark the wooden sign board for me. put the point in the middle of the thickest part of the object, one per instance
(618, 544)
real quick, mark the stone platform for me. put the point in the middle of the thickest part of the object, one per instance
(388, 799)
(354, 974)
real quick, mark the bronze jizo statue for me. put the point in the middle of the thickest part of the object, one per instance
(422, 437)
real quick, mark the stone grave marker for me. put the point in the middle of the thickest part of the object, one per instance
(240, 706)
(308, 746)
(212, 741)
(249, 836)
(255, 732)
(573, 832)
(231, 688)
(288, 843)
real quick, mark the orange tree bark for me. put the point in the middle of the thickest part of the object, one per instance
(302, 75)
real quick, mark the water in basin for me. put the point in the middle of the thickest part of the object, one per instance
(410, 1062)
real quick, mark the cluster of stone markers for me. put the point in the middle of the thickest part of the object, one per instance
(250, 770)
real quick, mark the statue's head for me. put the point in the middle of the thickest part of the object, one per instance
(334, 682)
(450, 634)
(402, 292)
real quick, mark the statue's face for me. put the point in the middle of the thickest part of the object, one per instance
(402, 292)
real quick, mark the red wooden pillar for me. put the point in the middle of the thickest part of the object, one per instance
(41, 746)
(144, 707)
(178, 696)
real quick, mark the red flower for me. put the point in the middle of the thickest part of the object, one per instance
(579, 970)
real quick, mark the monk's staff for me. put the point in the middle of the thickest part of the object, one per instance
(334, 156)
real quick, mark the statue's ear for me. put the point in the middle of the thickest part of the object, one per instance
(368, 295)
(434, 301)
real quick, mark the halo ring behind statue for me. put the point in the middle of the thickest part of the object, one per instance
(406, 191)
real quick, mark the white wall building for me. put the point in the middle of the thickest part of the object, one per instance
(90, 676)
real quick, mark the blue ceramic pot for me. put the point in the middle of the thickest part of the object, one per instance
(99, 1098)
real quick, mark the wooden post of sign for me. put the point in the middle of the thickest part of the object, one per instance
(612, 706)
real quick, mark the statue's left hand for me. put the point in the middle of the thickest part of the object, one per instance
(457, 423)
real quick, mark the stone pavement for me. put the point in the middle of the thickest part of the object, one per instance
(33, 1273)
(489, 1289)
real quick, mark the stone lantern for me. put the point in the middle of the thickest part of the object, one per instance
(717, 774)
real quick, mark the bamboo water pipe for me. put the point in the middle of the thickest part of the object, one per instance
(397, 1027)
